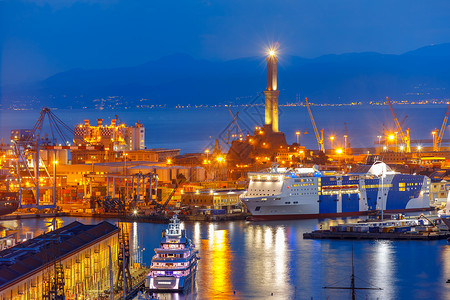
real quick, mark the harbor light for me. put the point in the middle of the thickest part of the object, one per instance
(391, 137)
(297, 133)
(339, 151)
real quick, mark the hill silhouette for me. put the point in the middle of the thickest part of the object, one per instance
(181, 79)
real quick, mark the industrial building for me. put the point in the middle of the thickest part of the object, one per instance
(113, 137)
(227, 199)
(72, 260)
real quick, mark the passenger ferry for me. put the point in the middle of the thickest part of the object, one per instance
(174, 265)
(302, 193)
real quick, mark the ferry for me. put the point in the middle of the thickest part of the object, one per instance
(174, 265)
(307, 193)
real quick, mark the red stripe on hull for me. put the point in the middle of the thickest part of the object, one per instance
(329, 215)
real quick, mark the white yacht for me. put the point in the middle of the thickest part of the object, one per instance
(175, 262)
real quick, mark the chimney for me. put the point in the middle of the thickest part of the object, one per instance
(86, 123)
(99, 122)
(113, 122)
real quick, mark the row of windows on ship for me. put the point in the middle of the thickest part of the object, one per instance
(174, 255)
(338, 189)
(173, 246)
(170, 273)
(170, 265)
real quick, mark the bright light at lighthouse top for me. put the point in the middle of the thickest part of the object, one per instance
(272, 70)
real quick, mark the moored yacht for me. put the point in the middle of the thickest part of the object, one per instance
(175, 262)
(444, 214)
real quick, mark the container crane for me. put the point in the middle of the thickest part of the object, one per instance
(405, 137)
(318, 137)
(437, 141)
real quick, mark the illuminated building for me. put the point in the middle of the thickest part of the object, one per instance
(260, 150)
(113, 137)
(76, 252)
(227, 199)
(271, 93)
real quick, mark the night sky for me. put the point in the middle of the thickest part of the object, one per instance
(39, 38)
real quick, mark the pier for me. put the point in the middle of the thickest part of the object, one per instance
(405, 236)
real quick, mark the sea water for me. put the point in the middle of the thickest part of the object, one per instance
(271, 260)
(196, 129)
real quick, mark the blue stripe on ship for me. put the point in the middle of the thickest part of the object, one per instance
(350, 202)
(399, 199)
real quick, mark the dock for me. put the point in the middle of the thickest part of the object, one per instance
(405, 236)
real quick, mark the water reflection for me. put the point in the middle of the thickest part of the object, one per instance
(215, 265)
(246, 260)
(382, 268)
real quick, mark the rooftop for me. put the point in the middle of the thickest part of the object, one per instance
(29, 256)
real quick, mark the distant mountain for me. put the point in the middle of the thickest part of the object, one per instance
(181, 79)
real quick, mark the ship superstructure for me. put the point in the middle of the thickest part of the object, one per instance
(175, 262)
(301, 193)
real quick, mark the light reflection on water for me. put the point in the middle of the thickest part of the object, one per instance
(242, 260)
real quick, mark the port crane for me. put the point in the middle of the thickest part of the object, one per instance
(438, 140)
(405, 137)
(318, 137)
(31, 143)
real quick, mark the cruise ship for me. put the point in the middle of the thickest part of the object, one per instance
(306, 193)
(174, 265)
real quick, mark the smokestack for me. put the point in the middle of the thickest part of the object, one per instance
(86, 123)
(99, 122)
(113, 122)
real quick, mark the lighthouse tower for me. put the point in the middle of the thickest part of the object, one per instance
(271, 93)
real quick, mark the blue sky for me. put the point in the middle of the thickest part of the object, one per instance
(39, 38)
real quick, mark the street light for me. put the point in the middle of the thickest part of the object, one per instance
(125, 155)
(297, 133)
(207, 154)
(331, 139)
(55, 162)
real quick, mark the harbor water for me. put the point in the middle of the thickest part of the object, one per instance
(195, 129)
(271, 260)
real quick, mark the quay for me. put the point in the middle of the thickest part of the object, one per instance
(406, 236)
(128, 216)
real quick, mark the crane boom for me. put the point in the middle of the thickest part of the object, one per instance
(318, 137)
(441, 132)
(405, 138)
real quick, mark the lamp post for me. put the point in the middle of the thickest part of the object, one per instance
(331, 140)
(55, 162)
(297, 133)
(207, 164)
(379, 142)
(434, 139)
(125, 155)
(396, 141)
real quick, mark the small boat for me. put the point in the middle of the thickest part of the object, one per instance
(146, 296)
(174, 265)
(444, 214)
